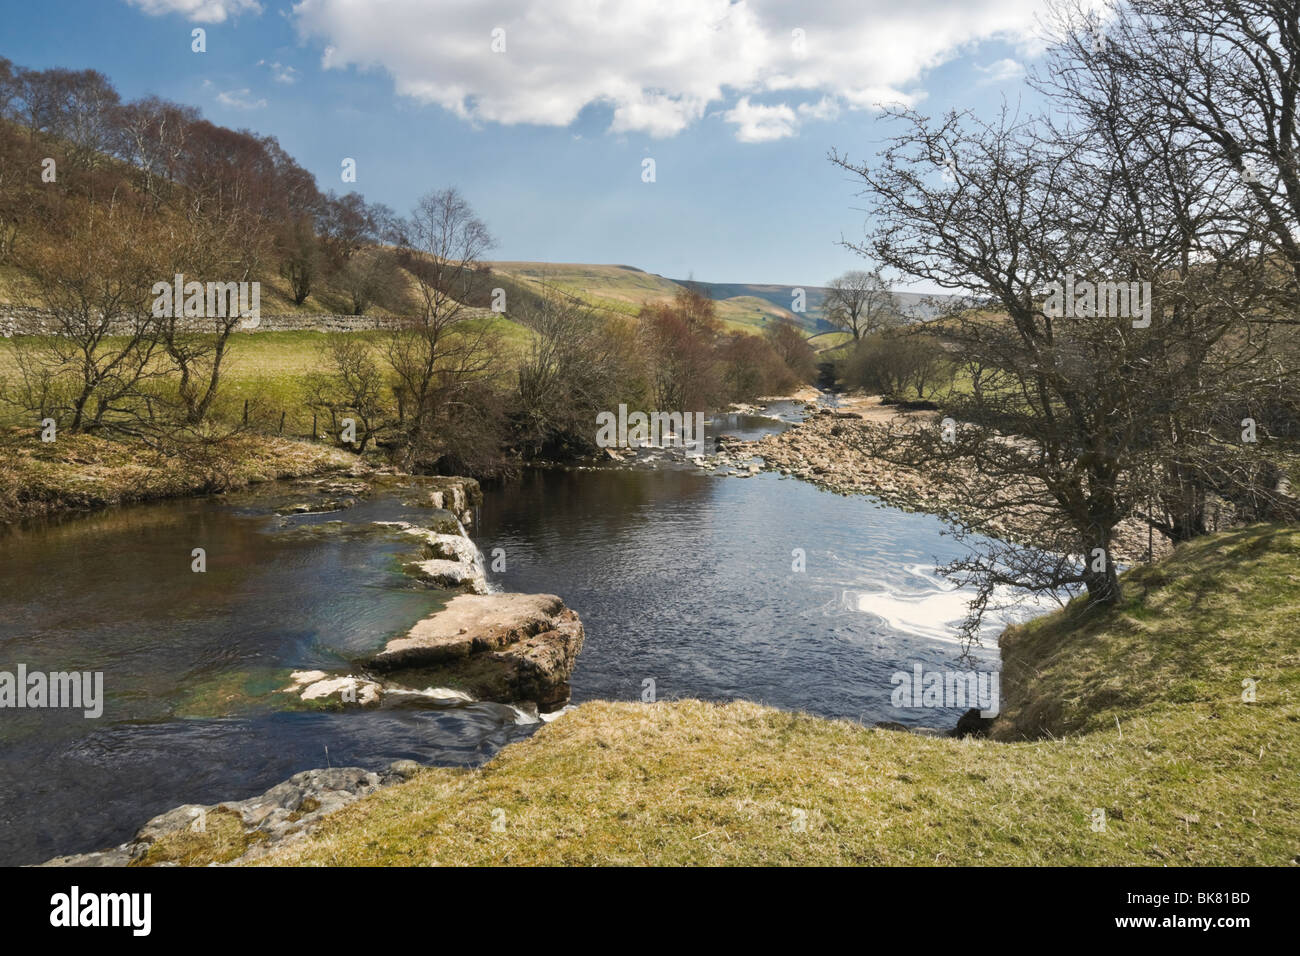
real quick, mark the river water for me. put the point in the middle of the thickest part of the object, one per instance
(687, 585)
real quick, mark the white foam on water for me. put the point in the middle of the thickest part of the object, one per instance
(445, 694)
(522, 717)
(934, 608)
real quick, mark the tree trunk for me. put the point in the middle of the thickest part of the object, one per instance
(1103, 585)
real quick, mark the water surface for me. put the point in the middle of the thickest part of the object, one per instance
(682, 579)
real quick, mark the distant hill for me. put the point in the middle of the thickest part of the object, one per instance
(776, 300)
(616, 288)
(781, 297)
(625, 289)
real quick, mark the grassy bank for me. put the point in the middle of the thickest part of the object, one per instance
(1134, 713)
(83, 472)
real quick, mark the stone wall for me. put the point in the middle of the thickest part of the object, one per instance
(27, 320)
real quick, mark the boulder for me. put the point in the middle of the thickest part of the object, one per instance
(502, 647)
(450, 558)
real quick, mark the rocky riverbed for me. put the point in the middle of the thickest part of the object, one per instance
(827, 450)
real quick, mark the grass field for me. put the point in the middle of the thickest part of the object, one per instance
(272, 369)
(1125, 740)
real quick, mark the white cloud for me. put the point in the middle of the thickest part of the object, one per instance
(824, 109)
(240, 100)
(200, 11)
(1001, 71)
(756, 123)
(663, 65)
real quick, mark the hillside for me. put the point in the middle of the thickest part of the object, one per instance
(771, 299)
(625, 289)
(615, 288)
(1132, 716)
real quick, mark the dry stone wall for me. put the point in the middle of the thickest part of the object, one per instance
(27, 320)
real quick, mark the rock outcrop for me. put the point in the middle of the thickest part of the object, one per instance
(450, 561)
(972, 724)
(448, 558)
(504, 647)
(249, 828)
(460, 496)
(322, 688)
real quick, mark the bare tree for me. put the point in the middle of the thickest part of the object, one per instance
(1185, 203)
(1225, 75)
(860, 302)
(792, 345)
(348, 224)
(1075, 403)
(438, 355)
(371, 277)
(573, 368)
(92, 280)
(355, 386)
(680, 339)
(894, 362)
(77, 107)
(152, 135)
(300, 257)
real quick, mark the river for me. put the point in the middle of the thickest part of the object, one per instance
(689, 585)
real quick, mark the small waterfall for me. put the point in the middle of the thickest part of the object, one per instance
(478, 561)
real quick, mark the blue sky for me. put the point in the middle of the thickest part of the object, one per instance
(737, 101)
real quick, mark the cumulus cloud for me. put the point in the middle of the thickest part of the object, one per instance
(200, 11)
(240, 100)
(661, 66)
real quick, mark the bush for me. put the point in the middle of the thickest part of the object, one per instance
(897, 364)
(752, 367)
